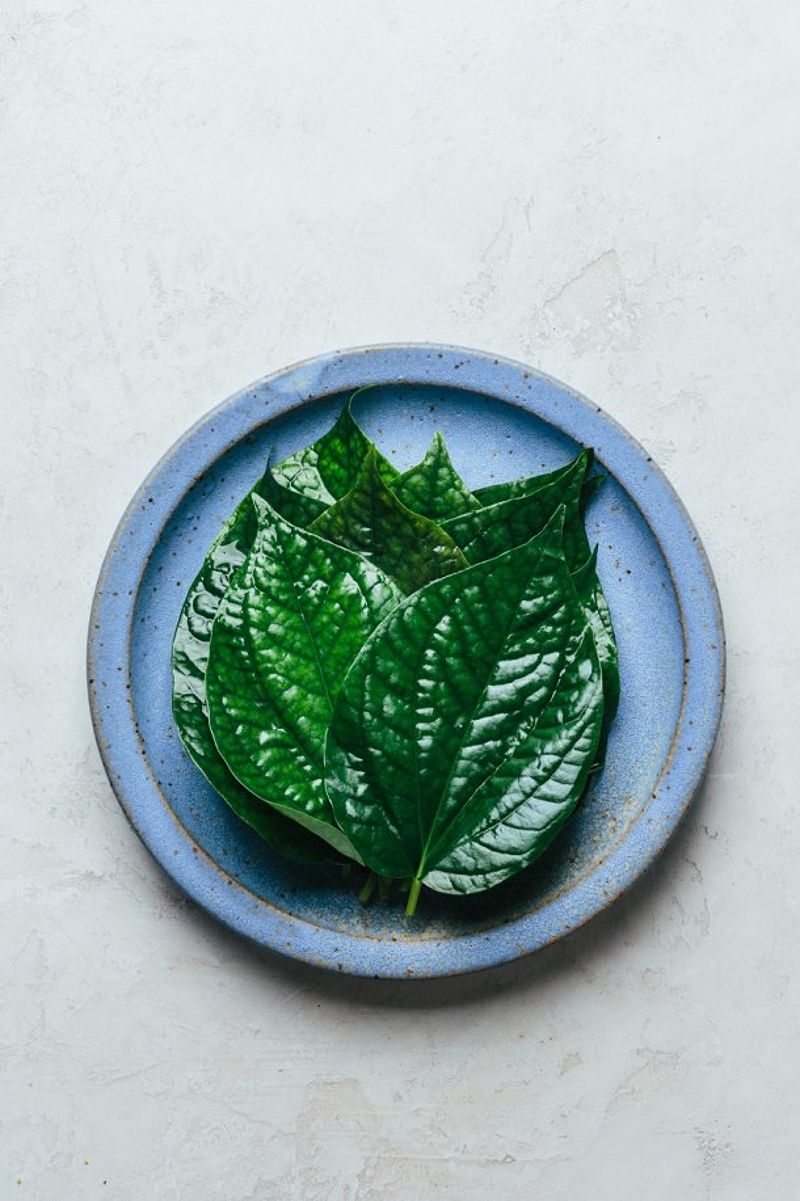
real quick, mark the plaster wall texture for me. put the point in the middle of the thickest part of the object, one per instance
(194, 194)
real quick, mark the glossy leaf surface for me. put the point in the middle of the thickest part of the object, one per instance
(371, 520)
(434, 488)
(489, 531)
(498, 527)
(592, 597)
(328, 469)
(492, 494)
(297, 507)
(598, 616)
(465, 730)
(189, 663)
(513, 489)
(289, 627)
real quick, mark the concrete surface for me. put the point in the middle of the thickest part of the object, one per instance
(196, 193)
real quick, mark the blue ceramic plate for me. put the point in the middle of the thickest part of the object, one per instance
(501, 420)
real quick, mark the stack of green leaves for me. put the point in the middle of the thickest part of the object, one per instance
(390, 669)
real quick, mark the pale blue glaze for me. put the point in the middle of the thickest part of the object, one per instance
(501, 420)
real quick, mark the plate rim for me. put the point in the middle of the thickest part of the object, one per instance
(192, 869)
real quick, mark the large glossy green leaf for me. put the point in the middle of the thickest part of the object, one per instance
(371, 520)
(486, 532)
(328, 469)
(190, 658)
(434, 488)
(466, 728)
(598, 616)
(189, 662)
(498, 527)
(492, 494)
(289, 627)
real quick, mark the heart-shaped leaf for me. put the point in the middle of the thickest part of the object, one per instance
(371, 520)
(486, 532)
(496, 528)
(434, 488)
(290, 625)
(189, 663)
(466, 728)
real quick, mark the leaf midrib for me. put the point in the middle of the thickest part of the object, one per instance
(467, 725)
(519, 738)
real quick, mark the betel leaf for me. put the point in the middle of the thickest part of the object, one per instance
(595, 606)
(591, 487)
(495, 493)
(484, 533)
(492, 494)
(327, 469)
(290, 625)
(189, 662)
(371, 520)
(498, 527)
(592, 597)
(434, 488)
(467, 726)
(296, 507)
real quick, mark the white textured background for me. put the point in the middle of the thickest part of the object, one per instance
(194, 194)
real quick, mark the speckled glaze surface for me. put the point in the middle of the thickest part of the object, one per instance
(501, 420)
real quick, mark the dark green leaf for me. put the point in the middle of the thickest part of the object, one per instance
(495, 493)
(484, 533)
(189, 662)
(371, 520)
(296, 507)
(434, 488)
(495, 528)
(592, 597)
(595, 607)
(492, 494)
(289, 626)
(591, 487)
(328, 469)
(466, 728)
